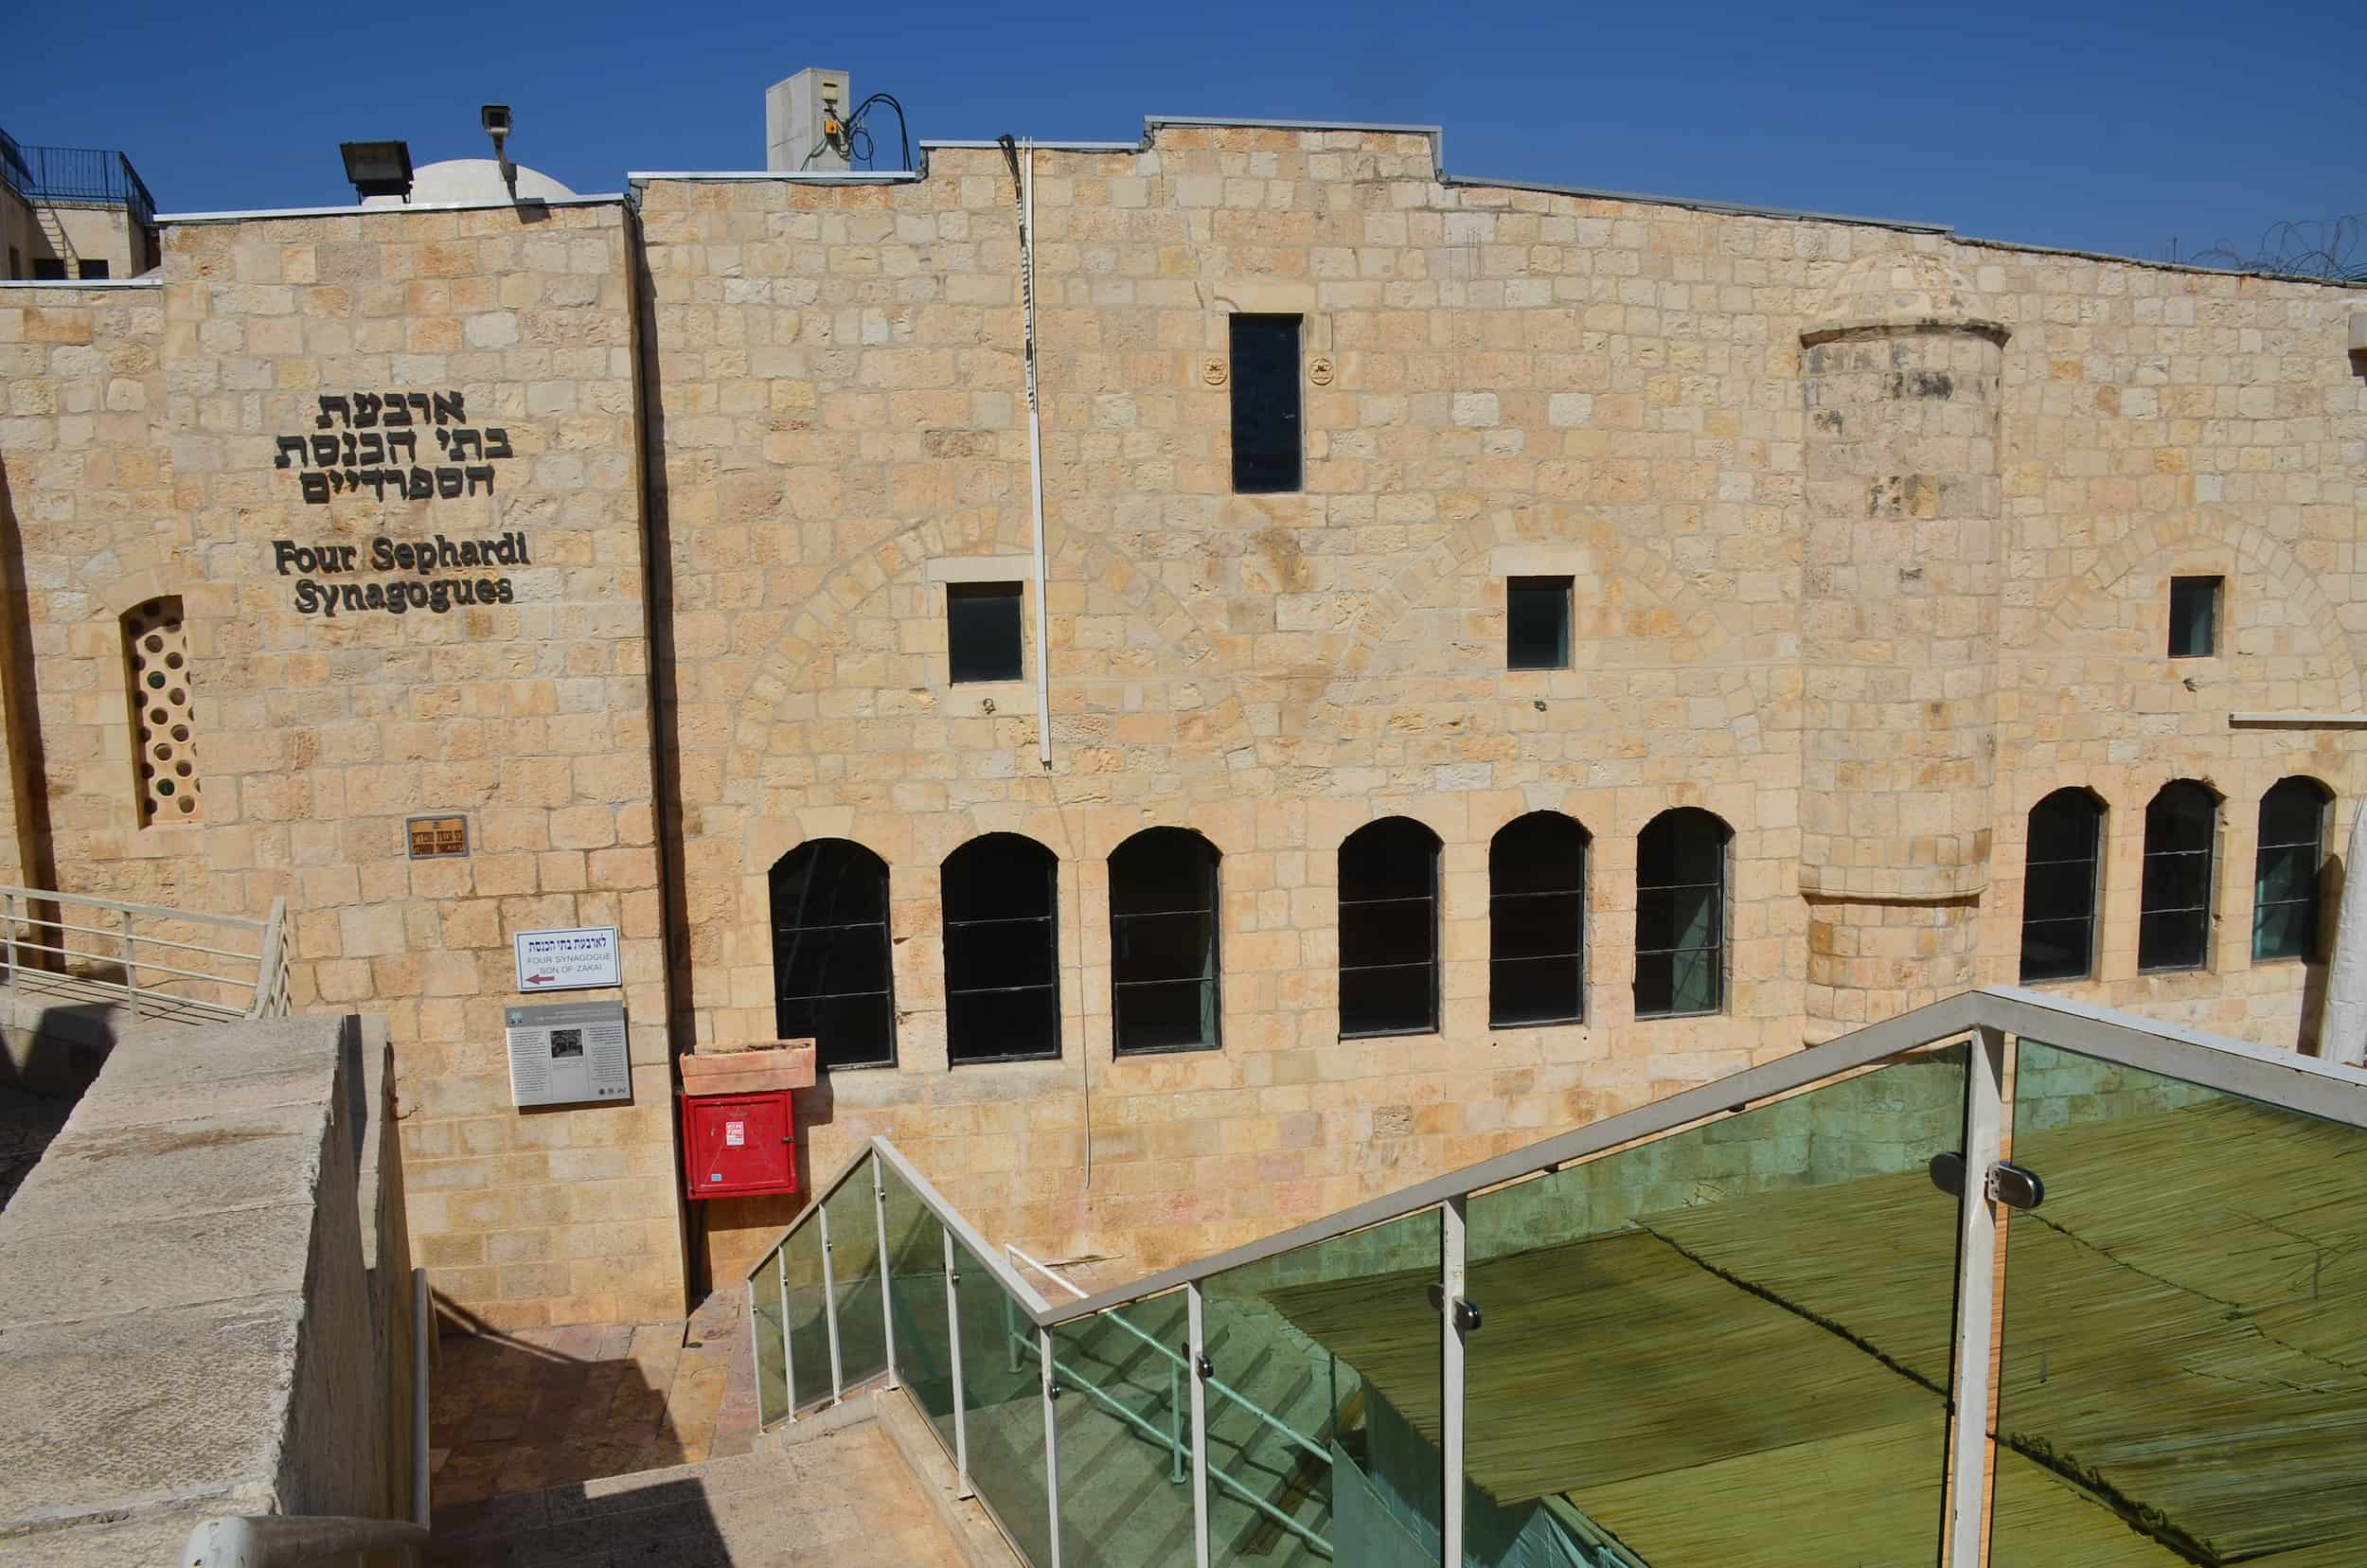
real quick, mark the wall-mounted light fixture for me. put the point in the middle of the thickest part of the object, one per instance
(378, 168)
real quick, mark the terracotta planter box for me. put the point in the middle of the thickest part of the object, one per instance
(787, 1064)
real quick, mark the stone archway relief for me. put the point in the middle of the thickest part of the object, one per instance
(2279, 571)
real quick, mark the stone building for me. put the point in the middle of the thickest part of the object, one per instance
(1490, 655)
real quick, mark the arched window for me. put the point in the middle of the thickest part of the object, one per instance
(2181, 839)
(1162, 941)
(2058, 888)
(1680, 914)
(1389, 929)
(1537, 921)
(1001, 951)
(2285, 886)
(831, 965)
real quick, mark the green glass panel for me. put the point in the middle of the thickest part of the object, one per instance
(855, 1280)
(1003, 1405)
(1730, 1344)
(2181, 1378)
(924, 1346)
(806, 1316)
(1125, 1436)
(1339, 1346)
(764, 1298)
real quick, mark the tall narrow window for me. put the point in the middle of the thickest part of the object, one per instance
(2174, 917)
(156, 673)
(1265, 370)
(831, 968)
(2293, 853)
(1001, 951)
(2195, 616)
(1389, 929)
(1537, 921)
(1681, 915)
(1537, 623)
(2058, 888)
(1162, 941)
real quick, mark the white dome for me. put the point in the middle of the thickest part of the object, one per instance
(470, 181)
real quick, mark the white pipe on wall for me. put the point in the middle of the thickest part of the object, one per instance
(1035, 449)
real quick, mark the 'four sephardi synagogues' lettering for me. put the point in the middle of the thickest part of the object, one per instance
(376, 450)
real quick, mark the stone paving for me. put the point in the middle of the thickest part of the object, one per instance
(519, 1412)
(846, 1499)
(28, 1122)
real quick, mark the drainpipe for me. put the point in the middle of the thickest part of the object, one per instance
(1023, 161)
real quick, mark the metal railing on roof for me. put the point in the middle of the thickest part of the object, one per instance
(2123, 1110)
(97, 176)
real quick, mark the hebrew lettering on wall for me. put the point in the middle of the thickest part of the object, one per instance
(369, 442)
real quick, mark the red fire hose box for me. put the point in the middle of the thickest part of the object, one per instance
(738, 1121)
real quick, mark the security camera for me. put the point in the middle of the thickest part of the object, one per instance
(495, 118)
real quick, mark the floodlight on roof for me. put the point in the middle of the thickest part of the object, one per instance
(378, 168)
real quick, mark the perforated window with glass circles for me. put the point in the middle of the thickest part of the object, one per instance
(156, 656)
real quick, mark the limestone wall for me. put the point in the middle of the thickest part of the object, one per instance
(1510, 382)
(142, 462)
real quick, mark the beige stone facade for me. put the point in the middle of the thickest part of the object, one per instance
(1869, 530)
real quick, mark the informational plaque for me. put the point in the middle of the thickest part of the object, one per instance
(567, 1053)
(568, 960)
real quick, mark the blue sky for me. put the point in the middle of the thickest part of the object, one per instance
(2111, 128)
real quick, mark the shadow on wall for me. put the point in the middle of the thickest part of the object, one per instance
(2321, 965)
(35, 864)
(513, 1413)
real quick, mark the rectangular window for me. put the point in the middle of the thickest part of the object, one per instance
(94, 269)
(17, 262)
(49, 269)
(982, 629)
(1265, 375)
(1537, 623)
(2195, 616)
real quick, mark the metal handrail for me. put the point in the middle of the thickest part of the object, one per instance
(28, 915)
(1222, 1389)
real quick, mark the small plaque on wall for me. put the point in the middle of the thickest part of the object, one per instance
(568, 1053)
(438, 837)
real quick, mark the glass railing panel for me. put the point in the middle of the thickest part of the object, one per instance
(769, 1325)
(1327, 1447)
(806, 1316)
(1124, 1420)
(1003, 1405)
(1728, 1345)
(924, 1341)
(2184, 1313)
(855, 1280)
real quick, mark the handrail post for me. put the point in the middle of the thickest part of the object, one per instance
(1976, 1302)
(1175, 1425)
(830, 1300)
(789, 1361)
(12, 913)
(131, 966)
(1196, 1344)
(1450, 1216)
(887, 1299)
(953, 1333)
(1051, 1441)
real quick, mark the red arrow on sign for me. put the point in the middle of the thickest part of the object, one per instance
(540, 979)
